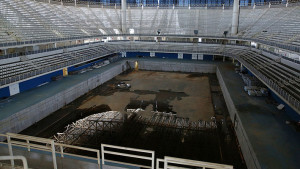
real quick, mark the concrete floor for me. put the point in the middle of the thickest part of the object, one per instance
(276, 144)
(187, 96)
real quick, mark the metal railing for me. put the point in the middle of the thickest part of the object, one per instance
(148, 157)
(167, 5)
(44, 50)
(48, 145)
(185, 163)
(24, 161)
(289, 47)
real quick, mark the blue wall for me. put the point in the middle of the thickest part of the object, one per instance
(187, 56)
(147, 54)
(167, 55)
(76, 68)
(4, 92)
(208, 57)
(32, 83)
(289, 111)
(136, 54)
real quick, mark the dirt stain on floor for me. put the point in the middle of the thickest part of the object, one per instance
(187, 95)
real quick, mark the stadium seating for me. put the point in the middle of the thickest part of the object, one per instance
(10, 73)
(27, 21)
(51, 21)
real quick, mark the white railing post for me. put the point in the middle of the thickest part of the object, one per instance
(98, 157)
(61, 150)
(28, 146)
(10, 151)
(102, 154)
(153, 160)
(165, 163)
(53, 154)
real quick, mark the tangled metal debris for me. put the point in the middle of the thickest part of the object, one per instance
(113, 120)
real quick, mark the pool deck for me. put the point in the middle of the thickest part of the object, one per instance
(31, 97)
(276, 144)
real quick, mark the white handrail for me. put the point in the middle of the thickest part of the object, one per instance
(192, 163)
(25, 164)
(48, 145)
(103, 152)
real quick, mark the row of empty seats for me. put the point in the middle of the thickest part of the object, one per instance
(24, 69)
(25, 20)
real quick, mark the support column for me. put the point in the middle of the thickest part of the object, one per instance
(235, 17)
(124, 16)
(223, 58)
(75, 3)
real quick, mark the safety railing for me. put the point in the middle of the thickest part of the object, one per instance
(44, 50)
(180, 163)
(134, 153)
(24, 161)
(48, 145)
(161, 4)
(290, 47)
(62, 147)
(138, 155)
(30, 142)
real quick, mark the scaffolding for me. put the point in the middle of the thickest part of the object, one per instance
(83, 129)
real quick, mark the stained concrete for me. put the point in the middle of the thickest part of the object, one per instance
(187, 96)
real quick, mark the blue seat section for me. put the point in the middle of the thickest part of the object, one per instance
(32, 83)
